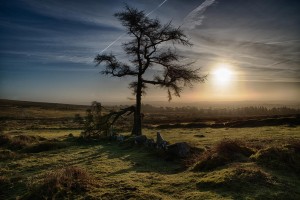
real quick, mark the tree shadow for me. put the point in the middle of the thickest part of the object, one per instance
(141, 159)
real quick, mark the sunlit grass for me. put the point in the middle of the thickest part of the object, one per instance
(273, 134)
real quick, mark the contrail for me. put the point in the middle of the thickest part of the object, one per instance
(125, 33)
(113, 42)
(156, 8)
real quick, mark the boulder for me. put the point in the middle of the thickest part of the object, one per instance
(180, 149)
(120, 138)
(141, 139)
(150, 143)
(159, 138)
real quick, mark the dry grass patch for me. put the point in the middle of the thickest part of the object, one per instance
(7, 154)
(18, 142)
(223, 153)
(280, 157)
(247, 182)
(45, 146)
(4, 139)
(62, 184)
(235, 178)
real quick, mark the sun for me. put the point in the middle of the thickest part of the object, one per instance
(222, 74)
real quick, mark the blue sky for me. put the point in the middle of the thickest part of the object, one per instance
(47, 48)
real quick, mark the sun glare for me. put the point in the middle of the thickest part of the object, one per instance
(222, 74)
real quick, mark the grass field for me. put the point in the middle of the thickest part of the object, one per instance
(234, 163)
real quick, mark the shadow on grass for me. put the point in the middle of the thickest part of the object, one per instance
(142, 159)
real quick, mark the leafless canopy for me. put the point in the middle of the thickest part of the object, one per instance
(147, 49)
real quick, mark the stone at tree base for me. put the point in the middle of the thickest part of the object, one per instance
(159, 138)
(180, 149)
(141, 139)
(160, 142)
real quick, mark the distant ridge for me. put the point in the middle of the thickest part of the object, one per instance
(201, 104)
(7, 102)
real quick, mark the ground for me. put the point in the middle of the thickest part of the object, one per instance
(32, 167)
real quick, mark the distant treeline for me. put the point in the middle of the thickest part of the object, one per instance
(243, 111)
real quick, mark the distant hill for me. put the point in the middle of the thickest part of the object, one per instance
(45, 105)
(199, 104)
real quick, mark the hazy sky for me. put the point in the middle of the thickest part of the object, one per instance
(47, 48)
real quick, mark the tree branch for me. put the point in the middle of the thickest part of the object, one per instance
(114, 67)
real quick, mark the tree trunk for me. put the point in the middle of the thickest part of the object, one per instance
(137, 126)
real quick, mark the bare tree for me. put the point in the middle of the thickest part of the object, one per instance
(146, 50)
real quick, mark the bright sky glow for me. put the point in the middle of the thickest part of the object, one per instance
(222, 75)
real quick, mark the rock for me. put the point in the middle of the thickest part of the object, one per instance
(160, 142)
(180, 149)
(150, 143)
(159, 138)
(70, 135)
(141, 139)
(120, 138)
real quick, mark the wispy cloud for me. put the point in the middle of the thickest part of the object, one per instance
(195, 18)
(89, 12)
